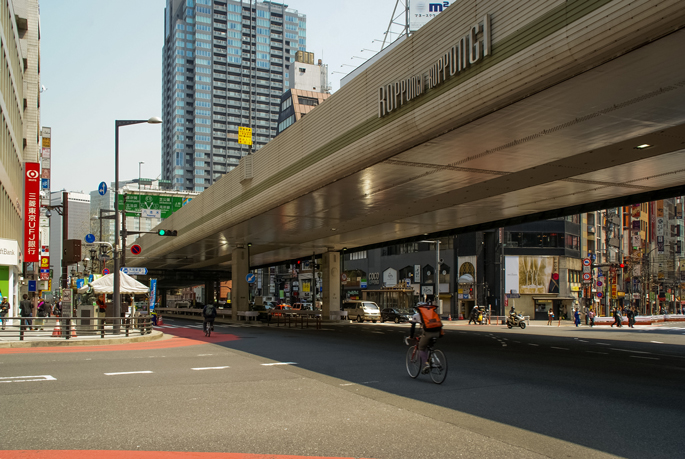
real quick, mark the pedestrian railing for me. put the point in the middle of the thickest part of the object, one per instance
(72, 327)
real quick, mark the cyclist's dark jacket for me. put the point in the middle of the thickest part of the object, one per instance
(208, 317)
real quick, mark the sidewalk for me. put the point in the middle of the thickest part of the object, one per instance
(45, 339)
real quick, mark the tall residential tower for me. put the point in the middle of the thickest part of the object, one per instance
(226, 64)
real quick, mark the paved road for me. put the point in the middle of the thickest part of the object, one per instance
(343, 392)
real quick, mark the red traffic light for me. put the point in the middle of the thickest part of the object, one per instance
(621, 265)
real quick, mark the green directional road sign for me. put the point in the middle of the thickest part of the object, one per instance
(135, 203)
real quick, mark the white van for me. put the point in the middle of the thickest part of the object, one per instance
(362, 310)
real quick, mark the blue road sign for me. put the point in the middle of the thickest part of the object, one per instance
(134, 271)
(102, 188)
(45, 184)
(90, 238)
(32, 286)
(599, 294)
(250, 278)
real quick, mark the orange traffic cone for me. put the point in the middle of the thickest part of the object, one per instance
(449, 317)
(57, 331)
(159, 320)
(461, 317)
(73, 331)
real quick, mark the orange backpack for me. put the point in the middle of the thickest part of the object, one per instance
(430, 318)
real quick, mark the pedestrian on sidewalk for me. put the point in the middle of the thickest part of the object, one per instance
(474, 316)
(631, 317)
(591, 313)
(550, 315)
(25, 311)
(576, 316)
(4, 310)
(617, 317)
(586, 311)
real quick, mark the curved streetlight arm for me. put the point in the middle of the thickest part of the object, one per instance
(117, 280)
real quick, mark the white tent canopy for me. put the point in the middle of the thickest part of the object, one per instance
(106, 285)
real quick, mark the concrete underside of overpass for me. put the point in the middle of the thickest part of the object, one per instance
(549, 120)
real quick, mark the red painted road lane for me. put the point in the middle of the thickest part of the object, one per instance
(78, 454)
(182, 337)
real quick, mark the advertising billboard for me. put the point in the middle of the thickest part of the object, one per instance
(532, 274)
(420, 12)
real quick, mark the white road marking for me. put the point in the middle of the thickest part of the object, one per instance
(210, 368)
(380, 333)
(531, 344)
(560, 348)
(628, 350)
(278, 363)
(600, 353)
(640, 357)
(657, 342)
(350, 384)
(583, 341)
(10, 379)
(604, 344)
(127, 373)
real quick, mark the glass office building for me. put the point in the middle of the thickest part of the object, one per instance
(225, 65)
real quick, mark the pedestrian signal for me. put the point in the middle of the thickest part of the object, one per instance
(165, 232)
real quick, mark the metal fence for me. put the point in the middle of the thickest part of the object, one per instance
(72, 327)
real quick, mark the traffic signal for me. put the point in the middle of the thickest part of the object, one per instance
(621, 265)
(165, 232)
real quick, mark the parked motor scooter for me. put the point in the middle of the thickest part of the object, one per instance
(516, 320)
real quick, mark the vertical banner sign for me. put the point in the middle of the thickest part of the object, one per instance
(153, 294)
(31, 212)
(660, 226)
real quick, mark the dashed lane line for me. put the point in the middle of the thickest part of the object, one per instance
(560, 348)
(595, 352)
(628, 350)
(641, 357)
(128, 373)
(13, 379)
(209, 368)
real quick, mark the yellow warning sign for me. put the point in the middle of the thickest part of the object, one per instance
(245, 136)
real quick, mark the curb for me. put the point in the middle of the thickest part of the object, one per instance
(155, 335)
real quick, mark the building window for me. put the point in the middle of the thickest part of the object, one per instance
(361, 255)
(308, 101)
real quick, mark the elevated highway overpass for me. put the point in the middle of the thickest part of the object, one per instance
(493, 111)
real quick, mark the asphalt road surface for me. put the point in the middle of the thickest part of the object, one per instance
(344, 392)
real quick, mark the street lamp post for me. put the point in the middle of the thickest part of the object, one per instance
(117, 278)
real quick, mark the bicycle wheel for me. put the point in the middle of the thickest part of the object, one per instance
(438, 366)
(413, 362)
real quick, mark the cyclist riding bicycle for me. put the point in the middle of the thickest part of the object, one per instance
(431, 324)
(209, 314)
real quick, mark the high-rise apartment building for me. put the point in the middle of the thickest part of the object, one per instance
(225, 65)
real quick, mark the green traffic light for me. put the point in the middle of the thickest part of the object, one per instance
(161, 232)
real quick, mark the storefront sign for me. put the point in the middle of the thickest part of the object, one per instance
(31, 212)
(468, 50)
(9, 252)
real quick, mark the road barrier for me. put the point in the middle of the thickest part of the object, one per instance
(71, 327)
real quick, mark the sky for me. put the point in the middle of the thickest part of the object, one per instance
(102, 61)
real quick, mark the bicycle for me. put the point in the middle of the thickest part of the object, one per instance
(436, 359)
